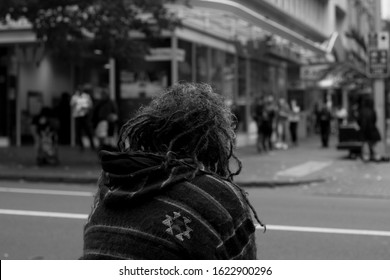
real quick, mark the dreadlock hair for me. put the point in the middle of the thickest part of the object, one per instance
(188, 120)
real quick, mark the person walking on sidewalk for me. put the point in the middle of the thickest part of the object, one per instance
(325, 119)
(267, 123)
(81, 104)
(258, 112)
(282, 114)
(368, 130)
(169, 192)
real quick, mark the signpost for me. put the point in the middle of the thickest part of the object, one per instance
(378, 55)
(378, 69)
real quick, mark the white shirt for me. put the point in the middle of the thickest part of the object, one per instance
(294, 116)
(81, 104)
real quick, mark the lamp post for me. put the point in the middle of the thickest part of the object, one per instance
(379, 90)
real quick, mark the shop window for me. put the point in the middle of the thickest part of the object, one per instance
(216, 70)
(241, 77)
(256, 85)
(229, 76)
(185, 66)
(201, 64)
(139, 83)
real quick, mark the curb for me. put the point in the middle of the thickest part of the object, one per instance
(93, 180)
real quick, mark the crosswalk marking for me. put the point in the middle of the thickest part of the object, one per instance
(46, 192)
(43, 214)
(304, 169)
(326, 230)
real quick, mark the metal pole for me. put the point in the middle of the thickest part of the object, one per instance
(18, 102)
(72, 122)
(112, 78)
(236, 79)
(379, 90)
(208, 63)
(193, 62)
(174, 62)
(248, 93)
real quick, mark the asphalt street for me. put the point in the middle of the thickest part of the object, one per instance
(304, 224)
(45, 221)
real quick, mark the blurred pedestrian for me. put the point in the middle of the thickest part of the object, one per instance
(81, 104)
(282, 115)
(293, 121)
(325, 120)
(45, 131)
(368, 130)
(341, 115)
(169, 192)
(316, 117)
(105, 116)
(267, 123)
(257, 114)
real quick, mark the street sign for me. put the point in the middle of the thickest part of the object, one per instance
(383, 41)
(378, 63)
(378, 55)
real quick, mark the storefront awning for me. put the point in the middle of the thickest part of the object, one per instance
(342, 75)
(261, 21)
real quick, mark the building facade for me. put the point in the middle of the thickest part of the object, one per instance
(245, 49)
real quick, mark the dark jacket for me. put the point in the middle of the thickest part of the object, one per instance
(325, 116)
(141, 212)
(367, 123)
(103, 109)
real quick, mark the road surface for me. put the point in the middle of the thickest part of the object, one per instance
(45, 221)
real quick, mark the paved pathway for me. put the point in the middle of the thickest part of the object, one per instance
(324, 171)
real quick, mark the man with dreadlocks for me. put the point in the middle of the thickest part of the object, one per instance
(168, 193)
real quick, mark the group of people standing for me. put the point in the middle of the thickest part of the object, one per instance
(362, 116)
(274, 120)
(95, 116)
(94, 119)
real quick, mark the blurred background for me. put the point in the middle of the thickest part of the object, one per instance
(72, 72)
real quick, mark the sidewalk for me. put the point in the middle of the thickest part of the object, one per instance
(83, 167)
(324, 170)
(340, 176)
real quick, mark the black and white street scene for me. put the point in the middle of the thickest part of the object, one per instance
(195, 129)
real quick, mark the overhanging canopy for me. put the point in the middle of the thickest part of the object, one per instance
(260, 20)
(342, 75)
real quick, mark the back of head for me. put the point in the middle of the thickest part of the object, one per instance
(188, 120)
